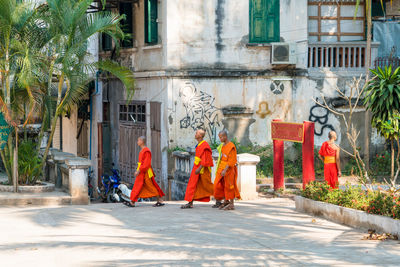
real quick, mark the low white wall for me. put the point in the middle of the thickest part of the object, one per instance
(347, 216)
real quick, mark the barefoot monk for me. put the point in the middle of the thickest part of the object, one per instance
(225, 186)
(200, 187)
(145, 185)
(329, 154)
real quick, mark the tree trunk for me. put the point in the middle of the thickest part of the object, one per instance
(54, 122)
(392, 160)
(367, 119)
(15, 160)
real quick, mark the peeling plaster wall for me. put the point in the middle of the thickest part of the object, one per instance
(199, 103)
(198, 41)
(215, 33)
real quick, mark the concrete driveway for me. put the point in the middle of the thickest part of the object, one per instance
(266, 232)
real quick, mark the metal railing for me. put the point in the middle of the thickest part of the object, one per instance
(383, 62)
(339, 55)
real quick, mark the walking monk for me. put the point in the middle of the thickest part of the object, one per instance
(200, 187)
(145, 185)
(225, 187)
(329, 154)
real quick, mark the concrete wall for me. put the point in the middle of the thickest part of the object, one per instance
(203, 65)
(215, 34)
(69, 132)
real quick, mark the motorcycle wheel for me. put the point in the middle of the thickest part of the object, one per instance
(110, 198)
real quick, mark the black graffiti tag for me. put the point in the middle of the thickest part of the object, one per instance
(319, 115)
(200, 110)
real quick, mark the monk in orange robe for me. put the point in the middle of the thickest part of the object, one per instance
(329, 154)
(225, 184)
(200, 187)
(145, 185)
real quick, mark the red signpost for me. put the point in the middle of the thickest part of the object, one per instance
(293, 132)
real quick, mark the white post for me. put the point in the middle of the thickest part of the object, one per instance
(247, 173)
(78, 180)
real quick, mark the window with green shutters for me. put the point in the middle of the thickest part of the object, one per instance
(151, 21)
(264, 21)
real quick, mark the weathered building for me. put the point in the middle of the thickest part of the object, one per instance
(216, 64)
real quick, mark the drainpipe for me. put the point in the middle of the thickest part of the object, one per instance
(97, 92)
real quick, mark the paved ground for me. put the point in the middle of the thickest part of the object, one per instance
(266, 232)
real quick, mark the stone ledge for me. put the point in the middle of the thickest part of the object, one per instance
(42, 199)
(44, 187)
(347, 216)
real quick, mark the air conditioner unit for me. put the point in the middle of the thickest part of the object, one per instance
(283, 54)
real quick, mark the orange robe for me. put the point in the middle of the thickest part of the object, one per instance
(200, 187)
(330, 167)
(145, 185)
(225, 187)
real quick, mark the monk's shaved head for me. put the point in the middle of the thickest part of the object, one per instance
(142, 138)
(332, 135)
(201, 132)
(223, 132)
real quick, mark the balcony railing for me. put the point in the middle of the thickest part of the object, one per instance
(339, 55)
(383, 62)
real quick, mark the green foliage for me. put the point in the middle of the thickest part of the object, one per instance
(29, 163)
(350, 167)
(382, 98)
(176, 148)
(381, 164)
(380, 203)
(375, 202)
(316, 191)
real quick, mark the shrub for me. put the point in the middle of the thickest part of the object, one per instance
(316, 191)
(380, 203)
(29, 163)
(375, 202)
(381, 164)
(396, 208)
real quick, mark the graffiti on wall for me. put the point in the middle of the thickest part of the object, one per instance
(263, 109)
(200, 110)
(319, 115)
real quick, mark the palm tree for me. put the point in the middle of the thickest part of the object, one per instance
(44, 63)
(17, 56)
(68, 62)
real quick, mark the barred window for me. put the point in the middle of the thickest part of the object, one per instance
(134, 113)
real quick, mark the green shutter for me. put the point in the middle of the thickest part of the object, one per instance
(264, 21)
(151, 34)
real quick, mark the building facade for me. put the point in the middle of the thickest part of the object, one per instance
(220, 64)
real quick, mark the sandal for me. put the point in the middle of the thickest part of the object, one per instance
(129, 204)
(217, 204)
(223, 205)
(187, 206)
(158, 204)
(230, 207)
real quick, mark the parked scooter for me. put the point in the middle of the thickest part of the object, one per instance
(109, 191)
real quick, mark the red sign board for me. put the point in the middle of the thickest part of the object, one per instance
(287, 131)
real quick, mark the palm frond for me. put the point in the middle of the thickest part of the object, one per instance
(124, 74)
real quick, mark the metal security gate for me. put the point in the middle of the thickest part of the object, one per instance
(132, 119)
(132, 124)
(155, 127)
